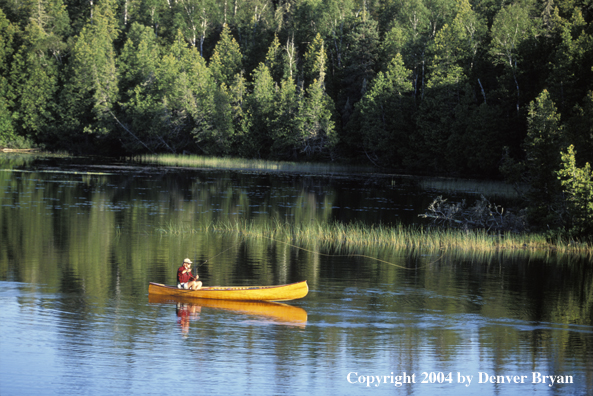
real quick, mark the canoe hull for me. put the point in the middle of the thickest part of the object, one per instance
(288, 292)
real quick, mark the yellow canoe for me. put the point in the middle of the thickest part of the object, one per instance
(275, 312)
(291, 291)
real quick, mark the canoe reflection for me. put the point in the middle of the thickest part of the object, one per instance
(277, 313)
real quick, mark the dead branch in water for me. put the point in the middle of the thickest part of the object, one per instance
(482, 215)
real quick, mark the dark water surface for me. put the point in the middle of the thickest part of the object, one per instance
(79, 244)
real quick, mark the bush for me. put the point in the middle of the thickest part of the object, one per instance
(577, 185)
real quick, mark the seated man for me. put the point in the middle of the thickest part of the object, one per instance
(185, 278)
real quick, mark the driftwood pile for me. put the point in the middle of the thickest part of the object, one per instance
(482, 215)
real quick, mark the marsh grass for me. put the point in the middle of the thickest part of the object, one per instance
(356, 236)
(197, 161)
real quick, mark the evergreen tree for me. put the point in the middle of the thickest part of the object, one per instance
(139, 57)
(7, 32)
(545, 139)
(284, 122)
(384, 115)
(579, 129)
(316, 129)
(141, 103)
(314, 58)
(226, 60)
(413, 18)
(315, 126)
(255, 22)
(359, 65)
(239, 113)
(91, 93)
(392, 44)
(36, 68)
(571, 75)
(274, 59)
(261, 103)
(188, 92)
(446, 111)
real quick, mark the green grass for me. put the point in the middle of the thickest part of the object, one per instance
(358, 236)
(196, 161)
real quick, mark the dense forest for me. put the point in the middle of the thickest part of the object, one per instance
(481, 88)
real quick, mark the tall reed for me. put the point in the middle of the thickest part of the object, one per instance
(338, 235)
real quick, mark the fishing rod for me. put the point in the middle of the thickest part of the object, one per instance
(326, 254)
(354, 255)
(210, 258)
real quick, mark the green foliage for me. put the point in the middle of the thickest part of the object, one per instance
(296, 79)
(195, 19)
(580, 128)
(274, 59)
(226, 60)
(513, 26)
(37, 80)
(6, 128)
(543, 143)
(384, 114)
(92, 91)
(578, 185)
(315, 61)
(284, 122)
(35, 67)
(188, 90)
(139, 57)
(360, 63)
(570, 65)
(316, 131)
(7, 32)
(261, 112)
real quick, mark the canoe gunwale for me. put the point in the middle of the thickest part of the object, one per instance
(286, 292)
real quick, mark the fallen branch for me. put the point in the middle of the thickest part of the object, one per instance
(483, 215)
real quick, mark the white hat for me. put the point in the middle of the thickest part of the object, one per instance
(187, 261)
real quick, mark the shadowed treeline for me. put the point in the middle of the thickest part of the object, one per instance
(426, 86)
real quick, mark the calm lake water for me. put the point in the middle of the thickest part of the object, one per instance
(79, 243)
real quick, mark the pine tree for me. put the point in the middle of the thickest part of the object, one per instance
(7, 32)
(284, 122)
(544, 141)
(91, 93)
(315, 58)
(274, 59)
(261, 103)
(36, 67)
(188, 96)
(141, 103)
(384, 113)
(360, 63)
(316, 129)
(139, 57)
(226, 60)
